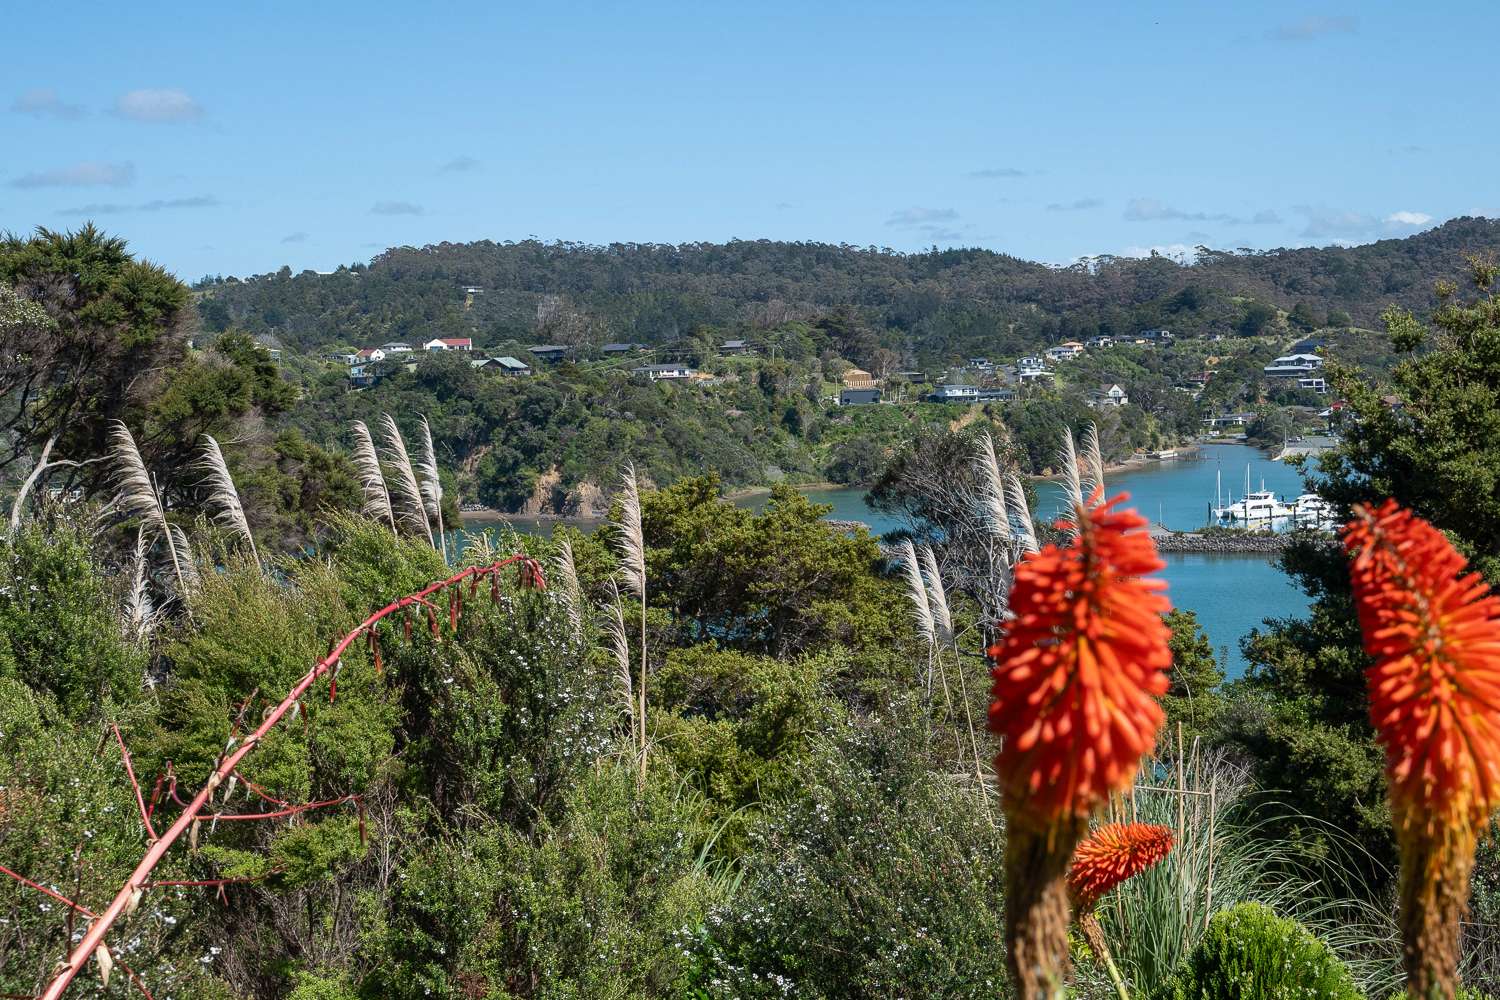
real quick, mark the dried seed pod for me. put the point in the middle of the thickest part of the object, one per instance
(375, 650)
(454, 608)
(106, 963)
(432, 625)
(193, 835)
(406, 624)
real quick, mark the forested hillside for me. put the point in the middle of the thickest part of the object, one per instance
(929, 307)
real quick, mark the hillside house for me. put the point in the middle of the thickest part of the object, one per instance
(1108, 394)
(858, 378)
(1096, 342)
(1315, 383)
(505, 366)
(449, 344)
(734, 347)
(1293, 366)
(954, 393)
(396, 347)
(370, 354)
(1031, 362)
(550, 353)
(858, 397)
(340, 358)
(612, 350)
(657, 373)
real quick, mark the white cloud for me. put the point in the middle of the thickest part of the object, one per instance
(459, 165)
(998, 173)
(1080, 205)
(79, 175)
(155, 205)
(1180, 252)
(1337, 225)
(44, 101)
(166, 105)
(1408, 218)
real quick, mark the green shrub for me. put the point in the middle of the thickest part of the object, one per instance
(1249, 953)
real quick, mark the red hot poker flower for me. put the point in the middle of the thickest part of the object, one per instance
(1111, 854)
(1433, 631)
(1079, 670)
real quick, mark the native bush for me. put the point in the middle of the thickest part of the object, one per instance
(881, 877)
(591, 905)
(59, 630)
(1250, 953)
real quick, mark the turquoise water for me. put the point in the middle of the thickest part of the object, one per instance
(1231, 594)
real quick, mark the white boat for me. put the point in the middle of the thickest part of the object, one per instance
(1312, 511)
(1258, 508)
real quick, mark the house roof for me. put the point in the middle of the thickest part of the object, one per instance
(664, 368)
(510, 362)
(735, 344)
(548, 349)
(617, 348)
(454, 341)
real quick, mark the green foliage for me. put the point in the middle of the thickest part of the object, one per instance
(1194, 699)
(592, 905)
(880, 878)
(59, 629)
(778, 582)
(1249, 953)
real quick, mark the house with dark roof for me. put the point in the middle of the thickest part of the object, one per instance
(505, 366)
(858, 397)
(736, 347)
(551, 353)
(621, 348)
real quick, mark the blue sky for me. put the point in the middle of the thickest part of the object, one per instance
(229, 138)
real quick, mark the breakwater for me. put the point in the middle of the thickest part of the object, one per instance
(1220, 543)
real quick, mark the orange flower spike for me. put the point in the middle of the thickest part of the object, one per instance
(1112, 854)
(1433, 631)
(1079, 670)
(1077, 676)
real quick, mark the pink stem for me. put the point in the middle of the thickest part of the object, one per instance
(78, 958)
(140, 800)
(64, 900)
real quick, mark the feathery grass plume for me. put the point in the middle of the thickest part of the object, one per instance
(937, 597)
(406, 498)
(1432, 628)
(619, 642)
(631, 540)
(432, 486)
(135, 495)
(222, 496)
(1015, 492)
(994, 486)
(182, 555)
(1067, 457)
(571, 591)
(916, 591)
(371, 478)
(1093, 456)
(139, 615)
(1111, 854)
(1078, 674)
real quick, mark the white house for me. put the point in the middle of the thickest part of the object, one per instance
(396, 347)
(1316, 383)
(1064, 351)
(1109, 394)
(1100, 341)
(449, 344)
(1031, 362)
(1293, 366)
(955, 394)
(369, 354)
(658, 372)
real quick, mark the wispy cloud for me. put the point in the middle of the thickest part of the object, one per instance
(161, 106)
(460, 165)
(998, 173)
(1082, 204)
(1153, 210)
(1336, 225)
(911, 218)
(155, 205)
(1180, 252)
(395, 208)
(297, 237)
(44, 102)
(1315, 26)
(87, 174)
